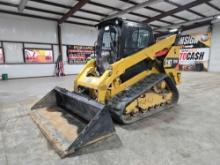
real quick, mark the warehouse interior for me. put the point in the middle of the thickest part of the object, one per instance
(45, 44)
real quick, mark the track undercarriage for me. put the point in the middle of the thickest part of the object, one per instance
(153, 94)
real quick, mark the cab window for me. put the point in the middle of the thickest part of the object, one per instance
(136, 38)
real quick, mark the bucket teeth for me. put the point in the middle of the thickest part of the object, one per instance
(70, 121)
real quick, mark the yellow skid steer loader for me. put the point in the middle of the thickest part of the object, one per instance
(132, 77)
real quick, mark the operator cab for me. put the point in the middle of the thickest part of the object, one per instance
(119, 38)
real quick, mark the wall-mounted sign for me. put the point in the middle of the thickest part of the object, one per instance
(78, 54)
(194, 51)
(1, 56)
(191, 56)
(196, 40)
(38, 55)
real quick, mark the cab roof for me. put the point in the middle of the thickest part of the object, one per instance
(119, 21)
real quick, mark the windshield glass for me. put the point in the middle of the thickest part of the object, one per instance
(136, 38)
(107, 46)
(109, 38)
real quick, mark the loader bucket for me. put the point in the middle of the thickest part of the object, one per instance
(70, 121)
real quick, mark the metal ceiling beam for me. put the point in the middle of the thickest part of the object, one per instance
(154, 9)
(155, 26)
(195, 21)
(56, 13)
(92, 12)
(22, 5)
(42, 17)
(213, 6)
(196, 25)
(68, 7)
(185, 28)
(130, 9)
(48, 11)
(115, 9)
(167, 22)
(189, 10)
(74, 9)
(196, 13)
(61, 14)
(176, 10)
(134, 3)
(103, 6)
(179, 17)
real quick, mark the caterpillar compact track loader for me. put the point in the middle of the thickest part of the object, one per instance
(132, 77)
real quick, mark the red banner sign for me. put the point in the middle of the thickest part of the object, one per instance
(78, 54)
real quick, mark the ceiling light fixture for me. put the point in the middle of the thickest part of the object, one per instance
(173, 30)
(218, 17)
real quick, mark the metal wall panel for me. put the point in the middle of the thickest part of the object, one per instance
(28, 70)
(15, 28)
(214, 63)
(25, 29)
(78, 35)
(13, 52)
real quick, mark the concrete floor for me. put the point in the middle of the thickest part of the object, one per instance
(187, 134)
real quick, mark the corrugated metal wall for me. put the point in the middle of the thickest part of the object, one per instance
(15, 28)
(214, 63)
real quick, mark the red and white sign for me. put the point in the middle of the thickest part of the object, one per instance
(79, 54)
(1, 56)
(191, 56)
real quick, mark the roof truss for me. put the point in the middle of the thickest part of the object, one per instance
(24, 9)
(73, 10)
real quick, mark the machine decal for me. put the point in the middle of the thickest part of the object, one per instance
(171, 62)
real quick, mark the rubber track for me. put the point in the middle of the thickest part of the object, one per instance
(119, 102)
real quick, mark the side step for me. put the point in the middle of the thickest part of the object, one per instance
(70, 121)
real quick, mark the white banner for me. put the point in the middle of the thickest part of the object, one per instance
(194, 55)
